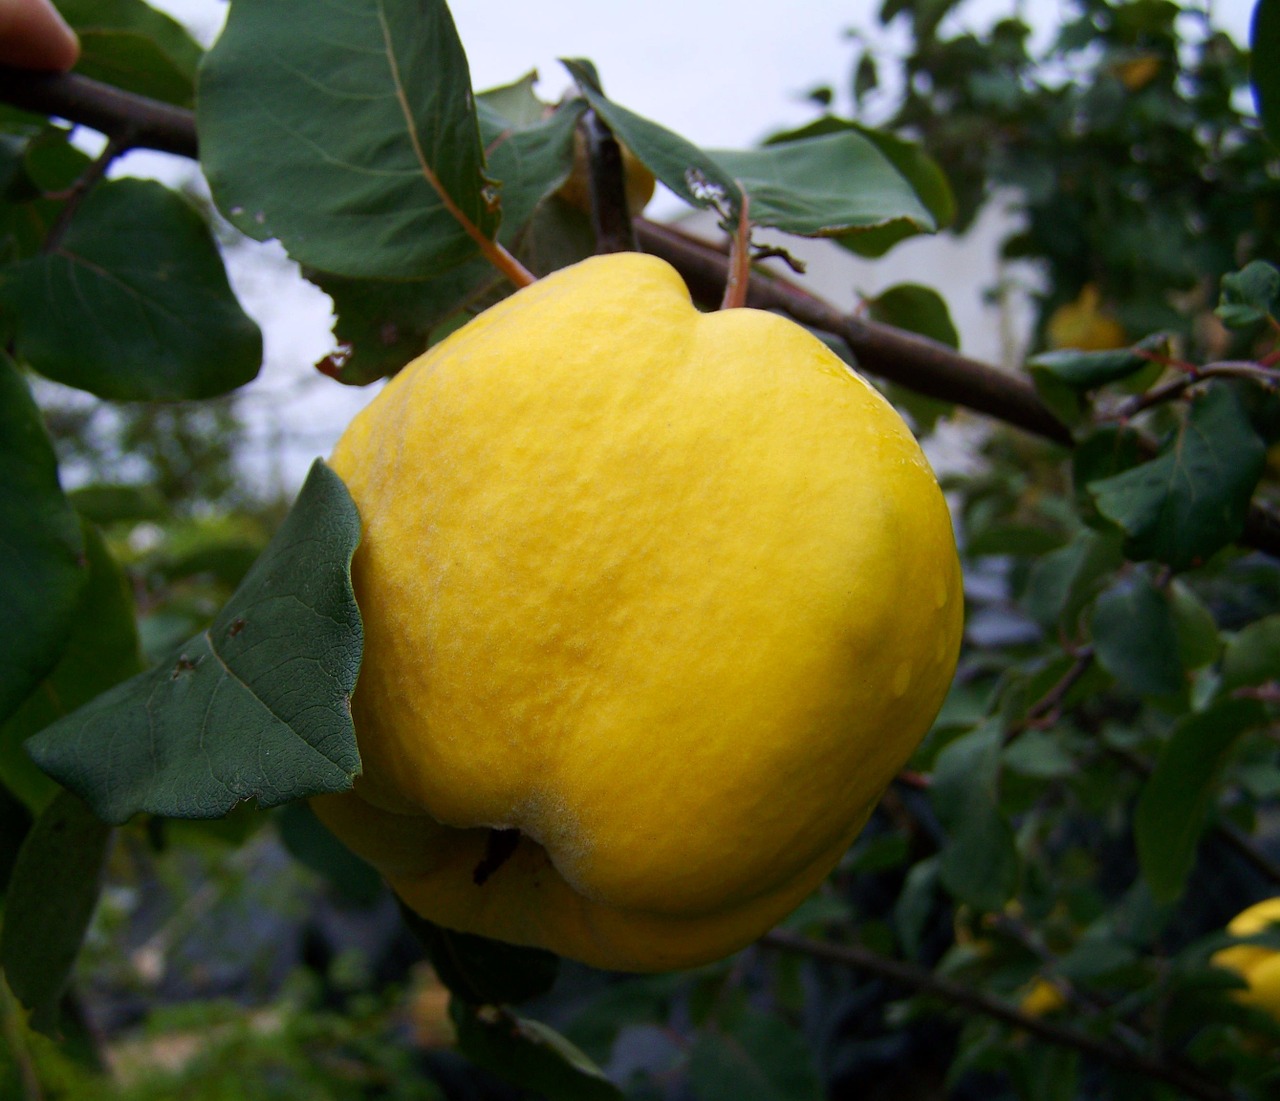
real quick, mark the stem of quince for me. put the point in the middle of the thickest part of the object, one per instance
(739, 281)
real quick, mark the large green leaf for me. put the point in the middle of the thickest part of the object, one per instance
(1192, 498)
(51, 897)
(825, 186)
(1264, 70)
(349, 132)
(134, 303)
(101, 651)
(1135, 637)
(42, 569)
(821, 186)
(528, 1054)
(909, 158)
(381, 324)
(130, 44)
(1177, 798)
(529, 160)
(979, 864)
(690, 172)
(257, 706)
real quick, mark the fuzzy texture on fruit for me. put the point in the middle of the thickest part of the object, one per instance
(1257, 964)
(672, 594)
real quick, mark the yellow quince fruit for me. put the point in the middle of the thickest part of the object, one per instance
(1257, 964)
(656, 604)
(638, 180)
(1083, 325)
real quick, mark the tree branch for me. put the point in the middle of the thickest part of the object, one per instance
(923, 981)
(607, 174)
(133, 121)
(922, 365)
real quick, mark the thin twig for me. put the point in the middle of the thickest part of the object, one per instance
(79, 191)
(607, 175)
(923, 981)
(1049, 703)
(1175, 388)
(738, 283)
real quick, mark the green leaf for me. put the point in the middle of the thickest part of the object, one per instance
(529, 161)
(130, 44)
(381, 326)
(1192, 498)
(112, 504)
(1264, 66)
(1252, 656)
(826, 186)
(915, 906)
(761, 1058)
(258, 706)
(1089, 370)
(1199, 643)
(918, 310)
(42, 569)
(134, 304)
(690, 172)
(51, 897)
(1177, 799)
(528, 1054)
(1101, 454)
(101, 651)
(481, 971)
(1135, 637)
(315, 847)
(1063, 582)
(349, 132)
(517, 103)
(979, 864)
(909, 158)
(1248, 295)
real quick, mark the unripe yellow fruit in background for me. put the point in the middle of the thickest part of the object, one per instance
(672, 594)
(1083, 325)
(1257, 964)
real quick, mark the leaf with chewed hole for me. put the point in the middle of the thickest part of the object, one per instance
(255, 707)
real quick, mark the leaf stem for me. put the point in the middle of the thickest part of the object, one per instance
(738, 284)
(1175, 388)
(92, 175)
(491, 250)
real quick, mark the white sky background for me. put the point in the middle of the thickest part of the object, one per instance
(723, 73)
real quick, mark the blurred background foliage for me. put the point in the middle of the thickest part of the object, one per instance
(1032, 910)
